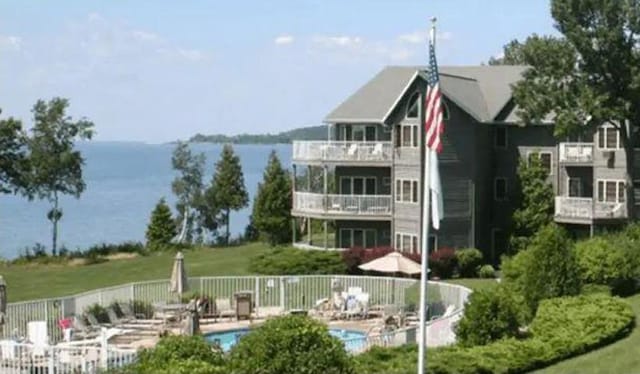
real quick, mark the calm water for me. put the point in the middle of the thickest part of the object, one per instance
(124, 182)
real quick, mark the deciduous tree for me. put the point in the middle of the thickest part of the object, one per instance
(12, 155)
(55, 165)
(588, 76)
(188, 188)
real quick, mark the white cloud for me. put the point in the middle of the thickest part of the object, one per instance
(337, 41)
(10, 42)
(421, 36)
(192, 54)
(283, 39)
(145, 36)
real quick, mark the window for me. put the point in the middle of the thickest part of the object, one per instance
(360, 133)
(358, 186)
(386, 181)
(406, 242)
(498, 242)
(500, 189)
(575, 187)
(500, 137)
(433, 243)
(363, 238)
(413, 108)
(407, 190)
(408, 136)
(545, 158)
(611, 191)
(608, 137)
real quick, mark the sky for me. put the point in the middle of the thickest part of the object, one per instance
(159, 70)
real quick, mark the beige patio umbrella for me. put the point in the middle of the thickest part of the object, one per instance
(393, 262)
(178, 283)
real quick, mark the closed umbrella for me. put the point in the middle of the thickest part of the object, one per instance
(393, 262)
(178, 284)
(3, 300)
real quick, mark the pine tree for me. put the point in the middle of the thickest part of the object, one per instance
(272, 205)
(162, 228)
(227, 191)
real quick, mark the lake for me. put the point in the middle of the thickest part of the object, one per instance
(124, 182)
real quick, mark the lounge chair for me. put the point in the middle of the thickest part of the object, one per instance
(128, 312)
(38, 335)
(224, 309)
(82, 330)
(93, 321)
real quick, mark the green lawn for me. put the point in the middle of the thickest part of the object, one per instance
(619, 357)
(32, 281)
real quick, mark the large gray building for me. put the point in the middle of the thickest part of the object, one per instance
(372, 165)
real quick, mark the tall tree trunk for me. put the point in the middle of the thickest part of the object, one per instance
(228, 226)
(54, 220)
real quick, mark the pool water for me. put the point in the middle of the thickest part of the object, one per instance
(353, 340)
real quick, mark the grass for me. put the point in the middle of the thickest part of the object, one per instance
(619, 357)
(412, 294)
(33, 281)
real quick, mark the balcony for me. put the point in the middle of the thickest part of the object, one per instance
(585, 210)
(360, 207)
(576, 153)
(366, 153)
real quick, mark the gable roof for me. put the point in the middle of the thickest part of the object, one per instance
(482, 91)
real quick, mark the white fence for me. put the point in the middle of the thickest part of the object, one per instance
(374, 205)
(284, 292)
(340, 151)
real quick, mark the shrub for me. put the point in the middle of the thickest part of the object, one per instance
(487, 271)
(179, 355)
(290, 345)
(443, 262)
(356, 256)
(489, 315)
(546, 269)
(162, 228)
(469, 262)
(563, 327)
(98, 311)
(603, 260)
(290, 261)
(143, 307)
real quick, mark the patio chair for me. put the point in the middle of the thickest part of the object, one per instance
(93, 321)
(38, 335)
(128, 312)
(82, 330)
(224, 309)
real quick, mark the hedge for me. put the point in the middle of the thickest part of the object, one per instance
(563, 327)
(291, 261)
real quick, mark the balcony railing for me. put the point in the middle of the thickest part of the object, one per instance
(576, 152)
(370, 205)
(338, 151)
(585, 208)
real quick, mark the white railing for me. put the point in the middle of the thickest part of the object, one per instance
(342, 204)
(284, 293)
(576, 152)
(337, 151)
(20, 358)
(586, 208)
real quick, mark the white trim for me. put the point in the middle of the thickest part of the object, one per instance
(604, 194)
(529, 153)
(399, 241)
(412, 140)
(404, 91)
(364, 184)
(495, 188)
(418, 102)
(399, 195)
(605, 128)
(495, 137)
(446, 114)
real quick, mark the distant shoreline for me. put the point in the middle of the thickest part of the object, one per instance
(286, 137)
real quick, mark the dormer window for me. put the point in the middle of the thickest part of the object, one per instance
(413, 109)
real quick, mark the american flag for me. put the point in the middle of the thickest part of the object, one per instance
(433, 124)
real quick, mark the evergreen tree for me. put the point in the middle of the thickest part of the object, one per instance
(162, 228)
(536, 202)
(589, 75)
(227, 191)
(272, 205)
(188, 186)
(55, 166)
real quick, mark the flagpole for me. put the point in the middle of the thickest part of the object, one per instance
(426, 200)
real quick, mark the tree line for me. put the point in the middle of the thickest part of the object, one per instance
(204, 210)
(284, 137)
(42, 163)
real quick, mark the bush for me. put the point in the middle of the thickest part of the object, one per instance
(356, 256)
(98, 311)
(487, 271)
(546, 269)
(469, 262)
(489, 315)
(290, 345)
(604, 260)
(564, 327)
(179, 355)
(291, 261)
(443, 262)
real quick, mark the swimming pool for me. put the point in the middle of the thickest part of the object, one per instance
(353, 340)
